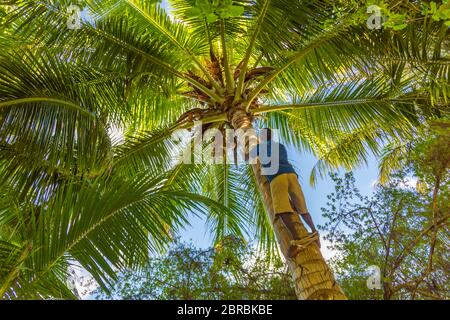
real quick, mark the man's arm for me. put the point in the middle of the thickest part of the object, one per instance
(308, 219)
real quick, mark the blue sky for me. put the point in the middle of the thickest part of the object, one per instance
(316, 197)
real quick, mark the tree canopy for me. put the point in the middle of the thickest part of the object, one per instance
(312, 69)
(402, 228)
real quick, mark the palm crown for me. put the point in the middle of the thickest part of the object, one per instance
(312, 69)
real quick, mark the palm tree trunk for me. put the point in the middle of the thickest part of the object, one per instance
(313, 279)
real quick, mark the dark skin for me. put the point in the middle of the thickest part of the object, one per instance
(289, 223)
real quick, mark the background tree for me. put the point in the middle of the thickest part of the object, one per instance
(230, 270)
(403, 228)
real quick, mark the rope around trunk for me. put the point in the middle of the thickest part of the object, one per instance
(306, 241)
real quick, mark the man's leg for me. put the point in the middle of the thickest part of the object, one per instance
(298, 198)
(288, 220)
(283, 209)
(279, 188)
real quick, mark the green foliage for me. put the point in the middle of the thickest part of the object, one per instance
(403, 229)
(430, 150)
(229, 271)
(397, 19)
(104, 225)
(215, 10)
(438, 11)
(347, 90)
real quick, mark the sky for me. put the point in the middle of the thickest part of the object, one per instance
(316, 197)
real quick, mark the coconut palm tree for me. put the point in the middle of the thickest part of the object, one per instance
(312, 69)
(67, 197)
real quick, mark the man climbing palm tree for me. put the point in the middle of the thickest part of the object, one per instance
(286, 191)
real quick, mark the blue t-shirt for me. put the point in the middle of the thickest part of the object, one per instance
(264, 152)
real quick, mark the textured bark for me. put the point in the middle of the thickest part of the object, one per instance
(312, 277)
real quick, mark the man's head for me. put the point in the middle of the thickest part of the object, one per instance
(266, 134)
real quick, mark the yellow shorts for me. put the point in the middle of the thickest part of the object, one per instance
(286, 189)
